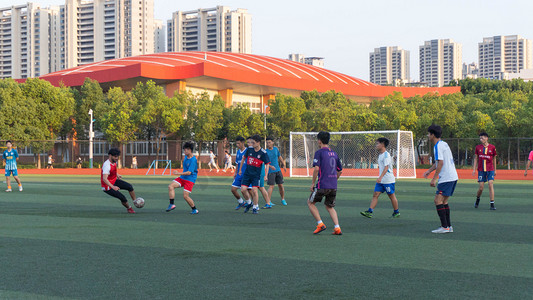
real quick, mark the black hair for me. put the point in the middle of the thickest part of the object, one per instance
(436, 130)
(114, 152)
(323, 136)
(484, 134)
(384, 141)
(239, 139)
(226, 151)
(256, 137)
(9, 141)
(270, 138)
(188, 145)
(249, 138)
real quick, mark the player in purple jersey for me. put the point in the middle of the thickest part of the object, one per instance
(327, 169)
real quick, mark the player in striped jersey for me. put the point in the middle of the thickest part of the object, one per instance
(485, 162)
(10, 157)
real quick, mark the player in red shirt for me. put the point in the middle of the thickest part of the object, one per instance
(485, 162)
(112, 182)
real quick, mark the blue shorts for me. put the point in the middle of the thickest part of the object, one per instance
(483, 176)
(251, 181)
(384, 187)
(237, 181)
(14, 172)
(446, 188)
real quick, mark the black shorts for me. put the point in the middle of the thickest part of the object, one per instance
(275, 178)
(318, 194)
(123, 185)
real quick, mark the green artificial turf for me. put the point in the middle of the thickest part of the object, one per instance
(63, 238)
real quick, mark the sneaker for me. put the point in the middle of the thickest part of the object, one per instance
(194, 212)
(319, 228)
(8, 190)
(255, 211)
(492, 208)
(283, 202)
(396, 215)
(476, 204)
(130, 210)
(337, 231)
(441, 230)
(268, 206)
(20, 188)
(240, 205)
(171, 207)
(247, 207)
(366, 213)
(451, 228)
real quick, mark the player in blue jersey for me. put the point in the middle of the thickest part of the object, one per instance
(256, 158)
(186, 180)
(327, 169)
(274, 173)
(236, 185)
(10, 158)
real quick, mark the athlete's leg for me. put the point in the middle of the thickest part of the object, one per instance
(173, 185)
(480, 189)
(270, 191)
(187, 197)
(491, 190)
(333, 214)
(314, 210)
(265, 194)
(245, 193)
(17, 179)
(374, 201)
(8, 181)
(235, 192)
(255, 196)
(393, 201)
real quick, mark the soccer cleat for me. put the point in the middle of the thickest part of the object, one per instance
(337, 231)
(492, 208)
(441, 230)
(319, 228)
(269, 205)
(171, 207)
(9, 190)
(366, 213)
(20, 188)
(130, 210)
(476, 204)
(451, 228)
(194, 212)
(283, 202)
(396, 215)
(240, 205)
(247, 207)
(255, 211)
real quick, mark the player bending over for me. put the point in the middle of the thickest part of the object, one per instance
(328, 169)
(386, 180)
(255, 157)
(274, 173)
(112, 182)
(485, 162)
(444, 168)
(10, 161)
(186, 180)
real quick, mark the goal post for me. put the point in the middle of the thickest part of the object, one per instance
(357, 152)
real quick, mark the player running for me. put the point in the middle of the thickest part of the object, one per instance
(212, 164)
(227, 162)
(328, 169)
(10, 157)
(485, 162)
(255, 158)
(112, 182)
(186, 180)
(386, 180)
(274, 173)
(444, 168)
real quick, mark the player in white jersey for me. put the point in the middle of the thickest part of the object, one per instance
(444, 168)
(385, 181)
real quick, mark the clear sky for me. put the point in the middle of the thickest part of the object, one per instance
(344, 32)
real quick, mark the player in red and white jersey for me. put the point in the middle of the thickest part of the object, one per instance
(485, 162)
(112, 182)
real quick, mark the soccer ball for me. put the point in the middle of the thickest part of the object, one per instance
(139, 202)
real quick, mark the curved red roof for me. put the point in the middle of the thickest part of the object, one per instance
(236, 68)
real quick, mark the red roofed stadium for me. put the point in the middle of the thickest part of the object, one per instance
(236, 77)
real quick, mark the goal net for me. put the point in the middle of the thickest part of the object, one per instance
(357, 152)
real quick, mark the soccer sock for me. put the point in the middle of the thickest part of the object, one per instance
(370, 210)
(337, 226)
(241, 201)
(492, 203)
(396, 211)
(447, 210)
(171, 201)
(193, 208)
(8, 186)
(319, 222)
(256, 206)
(248, 202)
(442, 215)
(477, 200)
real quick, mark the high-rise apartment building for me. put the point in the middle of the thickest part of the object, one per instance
(389, 65)
(160, 38)
(313, 61)
(440, 62)
(504, 54)
(212, 29)
(470, 71)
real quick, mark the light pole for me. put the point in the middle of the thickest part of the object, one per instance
(265, 114)
(91, 135)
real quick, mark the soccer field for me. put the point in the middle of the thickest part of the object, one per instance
(63, 238)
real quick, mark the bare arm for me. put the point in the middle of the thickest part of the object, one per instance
(315, 176)
(527, 167)
(282, 161)
(475, 165)
(385, 170)
(106, 181)
(339, 174)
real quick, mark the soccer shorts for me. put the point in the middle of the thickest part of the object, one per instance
(186, 184)
(123, 185)
(385, 187)
(251, 181)
(485, 176)
(275, 178)
(446, 188)
(14, 172)
(318, 194)
(237, 181)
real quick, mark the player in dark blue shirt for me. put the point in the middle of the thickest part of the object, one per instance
(256, 158)
(327, 169)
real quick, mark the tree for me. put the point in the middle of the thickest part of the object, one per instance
(286, 114)
(90, 96)
(238, 121)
